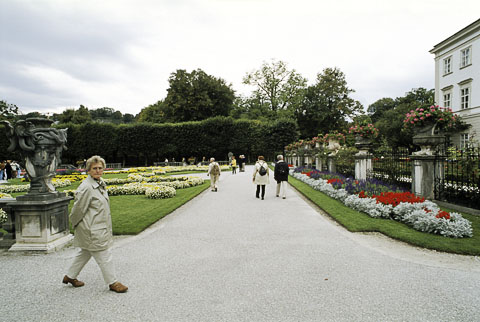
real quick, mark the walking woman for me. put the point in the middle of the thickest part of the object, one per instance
(92, 222)
(261, 176)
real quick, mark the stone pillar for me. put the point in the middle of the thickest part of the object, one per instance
(41, 225)
(318, 162)
(425, 170)
(427, 167)
(331, 163)
(363, 164)
(363, 160)
(9, 225)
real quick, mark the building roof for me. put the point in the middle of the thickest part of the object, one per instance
(458, 35)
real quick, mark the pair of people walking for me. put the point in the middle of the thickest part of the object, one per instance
(261, 176)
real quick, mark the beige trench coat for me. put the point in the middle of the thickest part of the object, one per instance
(90, 216)
(258, 179)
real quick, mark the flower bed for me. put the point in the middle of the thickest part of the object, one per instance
(418, 213)
(3, 216)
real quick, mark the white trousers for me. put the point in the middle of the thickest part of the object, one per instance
(213, 181)
(103, 259)
(282, 185)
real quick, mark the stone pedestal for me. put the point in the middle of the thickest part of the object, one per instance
(426, 168)
(41, 222)
(331, 164)
(318, 163)
(363, 164)
(9, 238)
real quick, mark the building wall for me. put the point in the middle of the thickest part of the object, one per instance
(460, 77)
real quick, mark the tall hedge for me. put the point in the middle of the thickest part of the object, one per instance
(145, 143)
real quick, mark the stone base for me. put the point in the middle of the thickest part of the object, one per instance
(50, 247)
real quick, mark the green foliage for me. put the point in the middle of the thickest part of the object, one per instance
(6, 108)
(389, 114)
(145, 143)
(326, 105)
(276, 87)
(196, 96)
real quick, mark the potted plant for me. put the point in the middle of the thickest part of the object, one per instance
(334, 138)
(364, 134)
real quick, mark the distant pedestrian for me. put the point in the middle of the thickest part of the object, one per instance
(261, 176)
(234, 165)
(280, 175)
(91, 219)
(241, 163)
(8, 170)
(214, 173)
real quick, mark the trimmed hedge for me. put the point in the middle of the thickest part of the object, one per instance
(143, 144)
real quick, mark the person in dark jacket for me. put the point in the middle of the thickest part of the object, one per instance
(9, 171)
(280, 175)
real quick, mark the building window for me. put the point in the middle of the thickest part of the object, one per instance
(464, 140)
(447, 99)
(465, 57)
(464, 98)
(447, 63)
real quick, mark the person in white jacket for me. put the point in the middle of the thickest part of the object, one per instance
(91, 219)
(261, 176)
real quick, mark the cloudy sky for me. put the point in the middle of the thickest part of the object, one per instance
(57, 54)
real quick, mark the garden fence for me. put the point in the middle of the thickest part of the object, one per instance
(392, 166)
(461, 180)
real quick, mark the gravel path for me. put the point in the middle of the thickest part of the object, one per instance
(227, 256)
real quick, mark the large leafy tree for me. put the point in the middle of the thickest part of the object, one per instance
(326, 105)
(154, 113)
(277, 87)
(80, 116)
(196, 96)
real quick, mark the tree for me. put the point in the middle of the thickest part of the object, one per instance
(196, 96)
(390, 120)
(326, 105)
(154, 113)
(278, 87)
(6, 109)
(376, 109)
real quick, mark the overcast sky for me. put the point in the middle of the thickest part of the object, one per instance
(57, 54)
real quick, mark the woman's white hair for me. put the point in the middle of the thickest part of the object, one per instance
(279, 157)
(93, 160)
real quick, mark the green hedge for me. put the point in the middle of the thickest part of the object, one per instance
(145, 143)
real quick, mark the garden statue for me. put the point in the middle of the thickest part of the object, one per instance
(41, 148)
(40, 217)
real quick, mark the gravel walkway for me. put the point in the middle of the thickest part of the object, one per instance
(227, 256)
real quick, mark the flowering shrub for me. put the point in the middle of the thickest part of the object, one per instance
(14, 188)
(442, 116)
(335, 135)
(3, 216)
(160, 192)
(5, 195)
(418, 213)
(368, 131)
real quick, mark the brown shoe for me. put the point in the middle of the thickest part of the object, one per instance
(118, 287)
(73, 281)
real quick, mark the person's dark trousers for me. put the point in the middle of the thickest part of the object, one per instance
(258, 190)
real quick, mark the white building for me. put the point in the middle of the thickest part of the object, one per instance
(457, 78)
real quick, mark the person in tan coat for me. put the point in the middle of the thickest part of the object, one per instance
(91, 219)
(261, 174)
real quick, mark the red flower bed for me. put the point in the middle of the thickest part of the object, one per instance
(334, 180)
(394, 198)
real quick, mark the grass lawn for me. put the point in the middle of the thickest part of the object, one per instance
(132, 214)
(356, 221)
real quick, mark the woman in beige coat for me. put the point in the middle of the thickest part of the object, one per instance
(261, 180)
(91, 219)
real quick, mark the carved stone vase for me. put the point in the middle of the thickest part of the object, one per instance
(428, 138)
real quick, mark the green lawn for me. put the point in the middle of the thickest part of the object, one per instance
(356, 221)
(132, 214)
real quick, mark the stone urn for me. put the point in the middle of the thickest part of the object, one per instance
(333, 146)
(363, 144)
(428, 138)
(41, 147)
